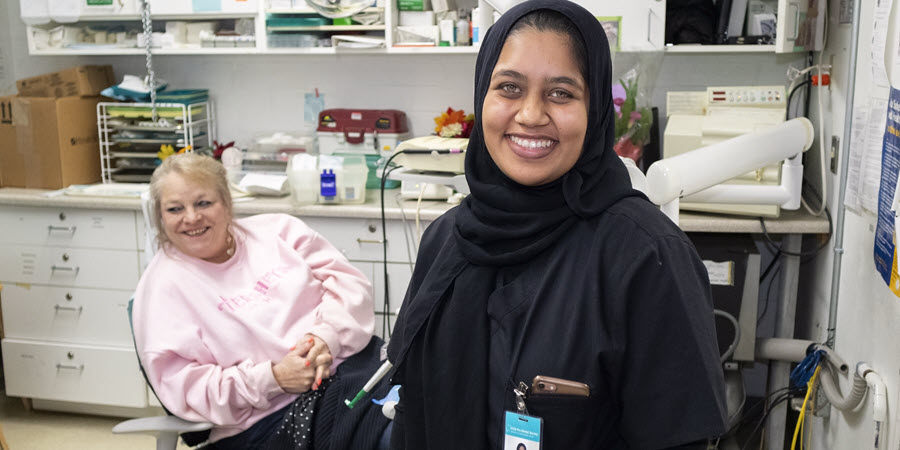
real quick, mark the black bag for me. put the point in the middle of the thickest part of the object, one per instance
(691, 22)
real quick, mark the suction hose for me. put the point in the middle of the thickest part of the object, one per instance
(833, 391)
(794, 350)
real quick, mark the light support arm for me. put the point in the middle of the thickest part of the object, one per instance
(698, 173)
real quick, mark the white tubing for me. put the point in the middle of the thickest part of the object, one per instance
(833, 391)
(778, 349)
(879, 391)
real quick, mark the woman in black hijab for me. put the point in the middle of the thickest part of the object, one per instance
(554, 266)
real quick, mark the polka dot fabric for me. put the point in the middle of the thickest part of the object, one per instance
(296, 429)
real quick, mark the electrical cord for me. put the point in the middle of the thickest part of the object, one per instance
(821, 69)
(794, 89)
(802, 419)
(407, 232)
(782, 398)
(769, 293)
(385, 319)
(822, 155)
(737, 334)
(419, 214)
(778, 248)
(750, 412)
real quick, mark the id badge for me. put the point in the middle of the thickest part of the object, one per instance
(522, 432)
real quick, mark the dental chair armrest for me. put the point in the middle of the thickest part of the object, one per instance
(158, 425)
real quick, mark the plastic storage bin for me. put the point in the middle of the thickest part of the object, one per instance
(350, 178)
(303, 174)
(344, 180)
(360, 131)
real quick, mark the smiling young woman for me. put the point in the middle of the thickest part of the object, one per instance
(535, 113)
(554, 266)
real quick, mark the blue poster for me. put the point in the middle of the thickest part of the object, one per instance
(885, 248)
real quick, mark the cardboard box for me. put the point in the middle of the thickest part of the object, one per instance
(82, 80)
(55, 142)
(12, 163)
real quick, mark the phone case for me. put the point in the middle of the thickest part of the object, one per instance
(543, 385)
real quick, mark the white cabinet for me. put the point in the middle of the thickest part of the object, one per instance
(97, 375)
(797, 24)
(641, 23)
(68, 275)
(361, 241)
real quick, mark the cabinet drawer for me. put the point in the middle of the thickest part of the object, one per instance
(360, 239)
(84, 316)
(73, 373)
(398, 275)
(61, 266)
(68, 227)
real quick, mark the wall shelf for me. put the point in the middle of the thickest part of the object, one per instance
(156, 51)
(691, 48)
(432, 50)
(312, 11)
(330, 28)
(192, 16)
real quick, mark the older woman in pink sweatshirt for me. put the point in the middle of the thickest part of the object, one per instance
(240, 322)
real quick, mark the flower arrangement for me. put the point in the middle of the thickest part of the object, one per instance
(454, 124)
(632, 122)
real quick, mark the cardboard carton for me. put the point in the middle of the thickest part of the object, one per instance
(55, 144)
(81, 80)
(12, 163)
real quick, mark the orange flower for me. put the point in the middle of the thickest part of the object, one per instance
(449, 117)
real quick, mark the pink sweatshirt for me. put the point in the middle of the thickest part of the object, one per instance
(208, 334)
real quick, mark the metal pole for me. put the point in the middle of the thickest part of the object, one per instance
(779, 372)
(838, 236)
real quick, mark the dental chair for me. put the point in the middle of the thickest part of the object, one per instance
(166, 429)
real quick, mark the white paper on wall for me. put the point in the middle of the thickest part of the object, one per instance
(870, 171)
(857, 144)
(879, 40)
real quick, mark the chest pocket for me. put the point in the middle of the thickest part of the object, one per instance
(574, 422)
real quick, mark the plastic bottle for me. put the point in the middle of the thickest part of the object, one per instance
(476, 31)
(448, 32)
(462, 29)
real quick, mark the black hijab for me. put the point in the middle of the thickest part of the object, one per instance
(441, 343)
(503, 222)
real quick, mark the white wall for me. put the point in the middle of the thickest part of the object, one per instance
(868, 319)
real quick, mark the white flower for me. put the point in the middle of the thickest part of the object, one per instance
(453, 129)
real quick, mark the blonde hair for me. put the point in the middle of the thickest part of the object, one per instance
(199, 169)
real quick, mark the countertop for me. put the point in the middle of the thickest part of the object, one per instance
(789, 222)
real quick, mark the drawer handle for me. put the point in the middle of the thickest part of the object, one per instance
(52, 228)
(370, 241)
(79, 367)
(56, 268)
(59, 308)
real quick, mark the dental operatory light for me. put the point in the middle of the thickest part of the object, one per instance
(696, 175)
(337, 9)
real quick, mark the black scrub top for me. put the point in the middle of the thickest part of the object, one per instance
(621, 303)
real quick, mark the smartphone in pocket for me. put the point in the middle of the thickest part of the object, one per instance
(543, 385)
